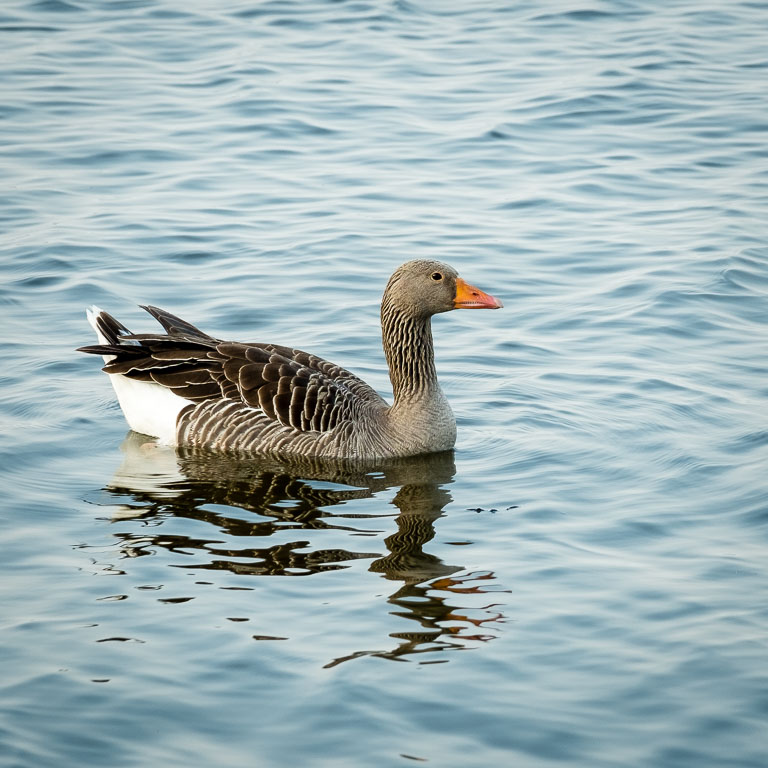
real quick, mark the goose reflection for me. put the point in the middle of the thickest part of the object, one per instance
(247, 499)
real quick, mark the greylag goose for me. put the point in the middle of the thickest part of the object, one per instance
(188, 388)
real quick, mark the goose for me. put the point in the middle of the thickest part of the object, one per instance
(187, 388)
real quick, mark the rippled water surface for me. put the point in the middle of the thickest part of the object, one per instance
(584, 582)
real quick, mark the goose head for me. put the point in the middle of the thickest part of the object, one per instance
(423, 288)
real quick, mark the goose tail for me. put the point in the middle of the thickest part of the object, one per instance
(149, 408)
(108, 332)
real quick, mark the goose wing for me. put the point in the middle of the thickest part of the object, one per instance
(289, 386)
(293, 387)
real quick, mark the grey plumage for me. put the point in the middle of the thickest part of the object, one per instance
(273, 399)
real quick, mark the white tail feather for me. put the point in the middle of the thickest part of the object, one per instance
(148, 408)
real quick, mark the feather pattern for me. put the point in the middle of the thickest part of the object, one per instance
(275, 399)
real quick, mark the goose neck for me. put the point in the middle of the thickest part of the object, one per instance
(407, 340)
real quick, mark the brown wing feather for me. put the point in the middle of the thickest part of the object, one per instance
(290, 386)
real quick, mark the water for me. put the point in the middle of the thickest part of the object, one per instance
(584, 581)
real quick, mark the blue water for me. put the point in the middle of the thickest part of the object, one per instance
(585, 581)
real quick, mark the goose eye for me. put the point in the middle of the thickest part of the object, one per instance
(436, 276)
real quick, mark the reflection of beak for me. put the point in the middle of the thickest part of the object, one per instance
(469, 297)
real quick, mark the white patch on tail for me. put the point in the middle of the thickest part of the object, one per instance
(148, 408)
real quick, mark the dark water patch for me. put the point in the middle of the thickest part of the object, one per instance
(523, 203)
(55, 6)
(192, 257)
(749, 442)
(756, 515)
(39, 282)
(211, 82)
(27, 28)
(753, 277)
(126, 157)
(583, 14)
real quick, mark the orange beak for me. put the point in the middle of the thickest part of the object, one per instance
(469, 297)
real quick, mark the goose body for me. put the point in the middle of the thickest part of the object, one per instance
(188, 388)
